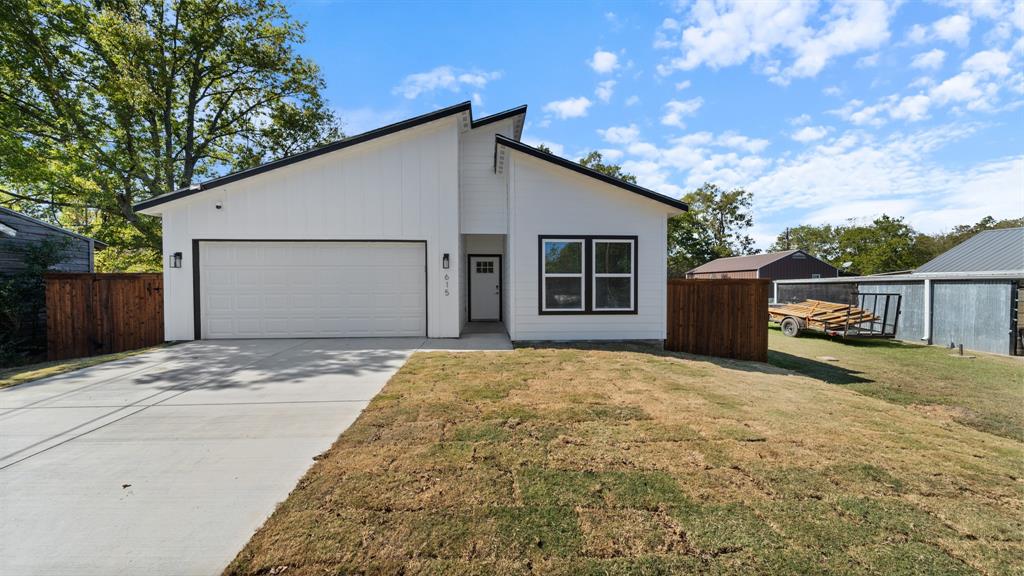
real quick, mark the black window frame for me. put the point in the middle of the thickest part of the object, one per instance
(588, 275)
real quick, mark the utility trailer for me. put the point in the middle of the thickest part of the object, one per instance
(875, 316)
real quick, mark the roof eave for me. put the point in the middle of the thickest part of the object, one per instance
(146, 205)
(500, 140)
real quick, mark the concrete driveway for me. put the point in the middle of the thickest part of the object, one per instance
(166, 462)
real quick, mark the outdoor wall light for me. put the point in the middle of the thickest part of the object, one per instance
(445, 261)
(175, 260)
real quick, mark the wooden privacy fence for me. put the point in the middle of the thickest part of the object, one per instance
(722, 317)
(91, 314)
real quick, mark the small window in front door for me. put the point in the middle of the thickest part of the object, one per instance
(484, 288)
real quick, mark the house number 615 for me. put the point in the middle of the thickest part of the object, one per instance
(446, 293)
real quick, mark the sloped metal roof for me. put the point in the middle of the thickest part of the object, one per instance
(742, 263)
(988, 251)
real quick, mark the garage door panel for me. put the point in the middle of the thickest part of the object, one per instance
(311, 289)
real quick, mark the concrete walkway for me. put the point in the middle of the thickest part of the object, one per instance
(166, 462)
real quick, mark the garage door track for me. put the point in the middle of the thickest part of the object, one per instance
(166, 462)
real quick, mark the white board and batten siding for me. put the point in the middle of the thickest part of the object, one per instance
(484, 197)
(402, 187)
(549, 200)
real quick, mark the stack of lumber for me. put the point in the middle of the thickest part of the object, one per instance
(821, 314)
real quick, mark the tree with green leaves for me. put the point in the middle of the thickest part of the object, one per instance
(104, 104)
(885, 244)
(595, 161)
(715, 226)
(820, 241)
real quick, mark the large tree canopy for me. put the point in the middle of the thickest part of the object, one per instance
(714, 227)
(105, 104)
(885, 244)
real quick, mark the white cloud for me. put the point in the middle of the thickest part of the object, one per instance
(896, 176)
(930, 60)
(358, 120)
(800, 120)
(569, 108)
(740, 142)
(556, 149)
(682, 85)
(912, 108)
(988, 62)
(478, 100)
(868, 61)
(955, 28)
(730, 32)
(977, 87)
(810, 133)
(604, 62)
(443, 78)
(857, 113)
(620, 134)
(832, 91)
(611, 154)
(632, 100)
(917, 34)
(677, 110)
(605, 90)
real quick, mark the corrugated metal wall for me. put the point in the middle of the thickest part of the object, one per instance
(911, 321)
(973, 313)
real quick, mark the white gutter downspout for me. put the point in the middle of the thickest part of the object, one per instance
(927, 336)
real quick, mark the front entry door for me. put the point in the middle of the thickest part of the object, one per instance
(485, 287)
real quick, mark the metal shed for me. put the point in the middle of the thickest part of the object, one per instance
(966, 296)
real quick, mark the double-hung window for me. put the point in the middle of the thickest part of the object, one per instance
(587, 275)
(562, 286)
(613, 275)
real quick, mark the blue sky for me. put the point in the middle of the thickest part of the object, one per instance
(824, 111)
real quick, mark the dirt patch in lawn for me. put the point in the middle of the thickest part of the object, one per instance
(568, 461)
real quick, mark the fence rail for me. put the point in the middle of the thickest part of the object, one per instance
(92, 314)
(725, 317)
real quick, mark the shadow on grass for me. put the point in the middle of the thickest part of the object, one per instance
(778, 362)
(823, 371)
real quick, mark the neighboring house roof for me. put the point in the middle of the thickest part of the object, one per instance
(464, 107)
(38, 222)
(743, 263)
(988, 251)
(500, 140)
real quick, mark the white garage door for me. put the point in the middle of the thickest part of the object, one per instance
(311, 289)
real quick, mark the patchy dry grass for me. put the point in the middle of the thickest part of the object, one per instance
(985, 392)
(565, 461)
(30, 372)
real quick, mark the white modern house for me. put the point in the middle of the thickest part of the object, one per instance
(416, 229)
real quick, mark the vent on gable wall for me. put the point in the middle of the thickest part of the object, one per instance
(499, 159)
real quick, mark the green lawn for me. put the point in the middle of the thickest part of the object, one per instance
(601, 461)
(30, 372)
(985, 392)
